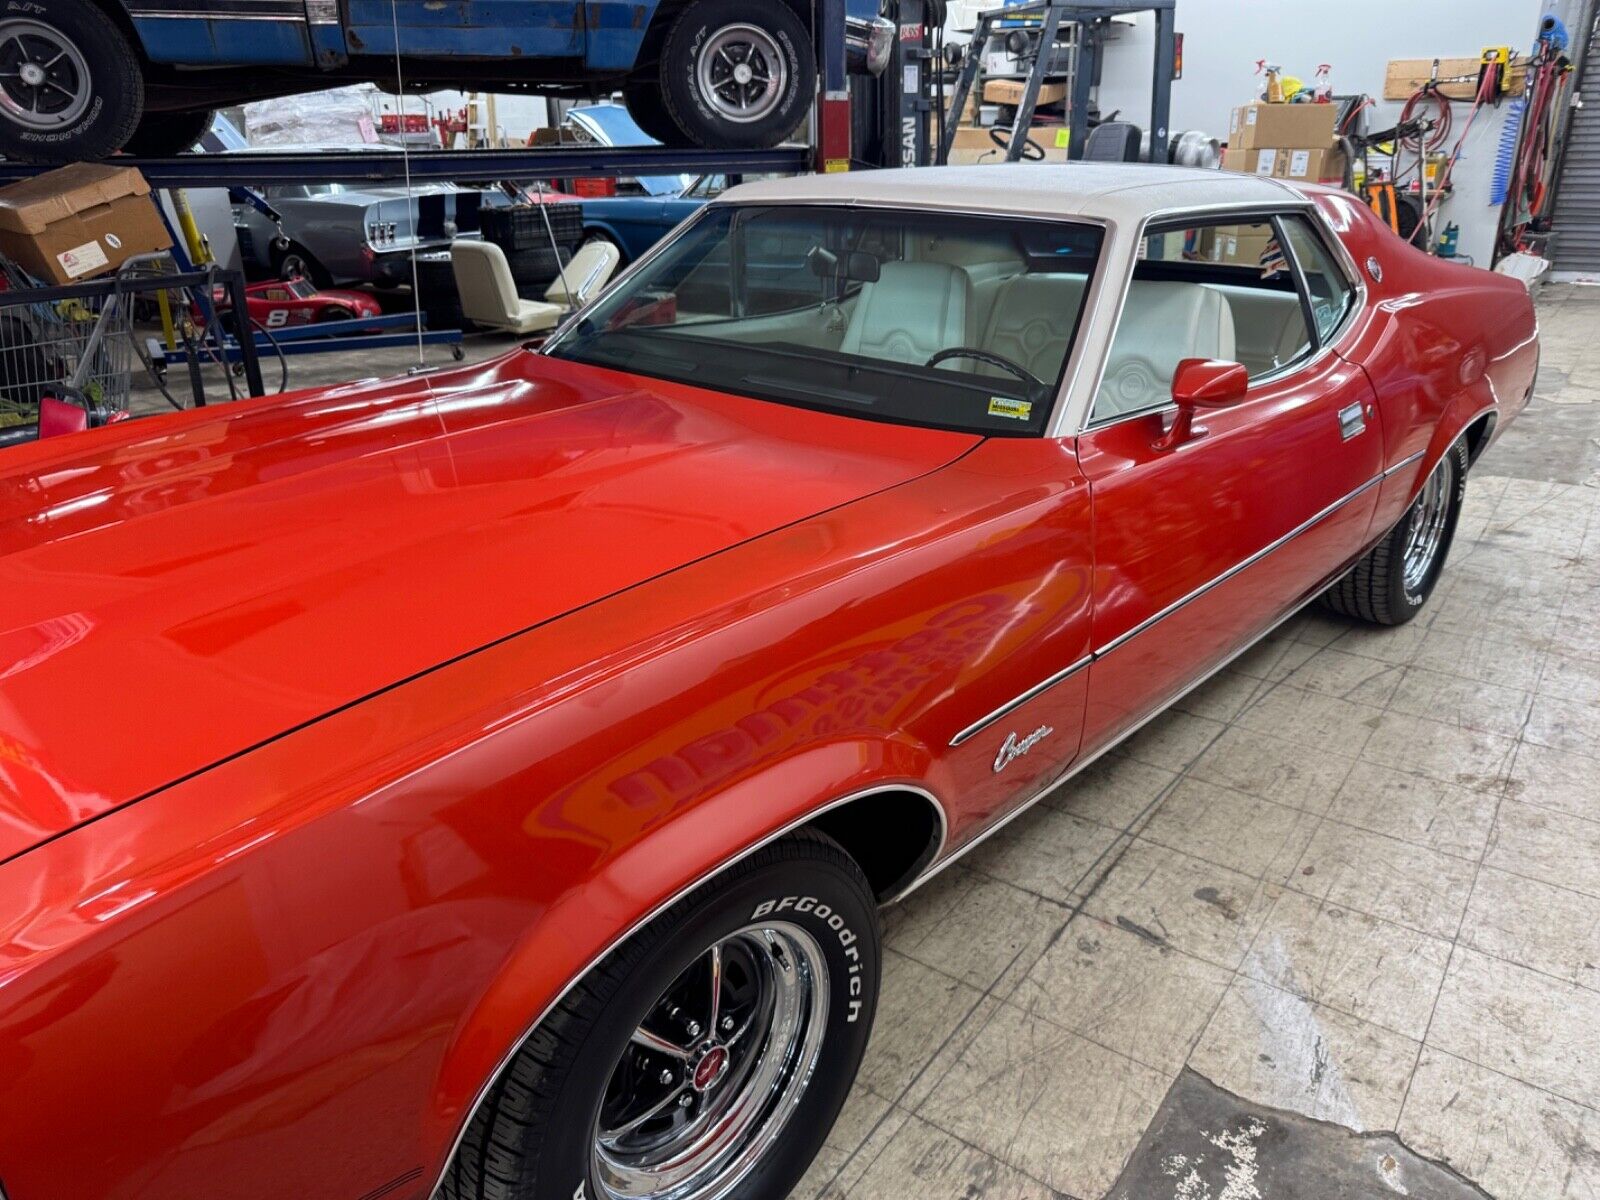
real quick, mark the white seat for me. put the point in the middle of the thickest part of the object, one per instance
(581, 279)
(911, 312)
(1162, 324)
(1031, 323)
(489, 294)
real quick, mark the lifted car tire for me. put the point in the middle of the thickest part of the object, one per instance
(790, 934)
(294, 261)
(1392, 583)
(649, 112)
(67, 60)
(738, 74)
(168, 134)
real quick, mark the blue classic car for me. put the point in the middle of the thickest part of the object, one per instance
(85, 78)
(635, 223)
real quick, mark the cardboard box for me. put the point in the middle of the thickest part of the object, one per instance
(79, 221)
(1281, 126)
(1236, 245)
(972, 144)
(1309, 166)
(1250, 162)
(1009, 91)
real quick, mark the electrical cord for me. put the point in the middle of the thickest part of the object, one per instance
(1488, 86)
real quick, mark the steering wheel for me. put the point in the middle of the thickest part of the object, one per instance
(987, 356)
(1031, 150)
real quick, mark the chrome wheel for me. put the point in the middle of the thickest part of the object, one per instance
(742, 73)
(44, 80)
(714, 1071)
(1429, 515)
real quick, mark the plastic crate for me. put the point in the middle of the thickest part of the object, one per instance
(522, 226)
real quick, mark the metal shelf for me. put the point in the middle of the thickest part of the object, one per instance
(265, 168)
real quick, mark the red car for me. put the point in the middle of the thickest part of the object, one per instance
(278, 304)
(483, 783)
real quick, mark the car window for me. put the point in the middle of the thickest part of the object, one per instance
(1219, 289)
(952, 321)
(1330, 291)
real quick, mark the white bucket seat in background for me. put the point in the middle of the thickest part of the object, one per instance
(1162, 324)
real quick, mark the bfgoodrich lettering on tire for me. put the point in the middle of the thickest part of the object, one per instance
(1392, 583)
(70, 85)
(738, 74)
(704, 1059)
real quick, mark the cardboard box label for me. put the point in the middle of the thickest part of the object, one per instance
(80, 260)
(1299, 163)
(1266, 160)
(1250, 116)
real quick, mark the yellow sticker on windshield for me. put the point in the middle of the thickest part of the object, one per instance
(1001, 406)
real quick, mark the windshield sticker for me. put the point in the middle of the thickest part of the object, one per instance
(1001, 406)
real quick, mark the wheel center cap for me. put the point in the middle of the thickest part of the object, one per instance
(32, 74)
(743, 74)
(713, 1065)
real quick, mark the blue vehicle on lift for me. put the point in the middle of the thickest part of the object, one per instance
(86, 78)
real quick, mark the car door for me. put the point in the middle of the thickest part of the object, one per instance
(1200, 549)
(484, 28)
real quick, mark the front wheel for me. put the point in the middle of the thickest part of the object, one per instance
(707, 1057)
(1392, 583)
(738, 74)
(70, 85)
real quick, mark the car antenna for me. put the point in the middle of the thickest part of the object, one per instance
(405, 161)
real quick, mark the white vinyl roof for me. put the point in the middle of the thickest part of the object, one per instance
(1113, 191)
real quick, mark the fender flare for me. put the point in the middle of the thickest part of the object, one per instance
(577, 931)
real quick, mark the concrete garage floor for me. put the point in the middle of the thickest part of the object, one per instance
(1356, 878)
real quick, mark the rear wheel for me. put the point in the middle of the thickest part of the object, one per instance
(738, 74)
(70, 85)
(1392, 583)
(334, 312)
(295, 262)
(168, 134)
(706, 1058)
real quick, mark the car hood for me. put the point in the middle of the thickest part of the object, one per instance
(176, 591)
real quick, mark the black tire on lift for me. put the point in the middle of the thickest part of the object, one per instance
(691, 42)
(168, 134)
(111, 83)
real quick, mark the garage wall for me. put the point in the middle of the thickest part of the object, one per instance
(1223, 39)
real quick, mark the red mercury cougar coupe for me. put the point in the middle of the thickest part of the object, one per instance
(482, 784)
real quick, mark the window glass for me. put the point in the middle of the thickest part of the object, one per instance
(857, 311)
(1331, 293)
(1212, 290)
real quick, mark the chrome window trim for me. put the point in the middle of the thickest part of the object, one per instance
(1300, 206)
(1100, 652)
(656, 911)
(1091, 300)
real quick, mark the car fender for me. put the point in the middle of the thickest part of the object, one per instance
(636, 885)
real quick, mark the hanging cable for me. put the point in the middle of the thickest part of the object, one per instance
(405, 160)
(1488, 86)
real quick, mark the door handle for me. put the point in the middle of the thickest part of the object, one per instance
(1352, 420)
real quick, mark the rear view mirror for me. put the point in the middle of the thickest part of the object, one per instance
(1202, 383)
(854, 266)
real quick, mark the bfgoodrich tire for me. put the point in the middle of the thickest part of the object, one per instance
(638, 1083)
(1392, 583)
(70, 85)
(737, 74)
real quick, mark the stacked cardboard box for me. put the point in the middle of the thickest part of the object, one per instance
(1237, 245)
(79, 221)
(1285, 141)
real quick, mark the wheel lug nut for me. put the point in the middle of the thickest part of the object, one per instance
(666, 1076)
(693, 1028)
(727, 1024)
(685, 1100)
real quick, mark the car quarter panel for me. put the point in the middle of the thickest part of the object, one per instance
(1442, 343)
(291, 974)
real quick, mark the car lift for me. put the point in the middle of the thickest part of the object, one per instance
(1092, 21)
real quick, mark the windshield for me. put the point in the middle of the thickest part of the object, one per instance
(950, 321)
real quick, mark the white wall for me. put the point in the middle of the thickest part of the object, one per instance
(1224, 38)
